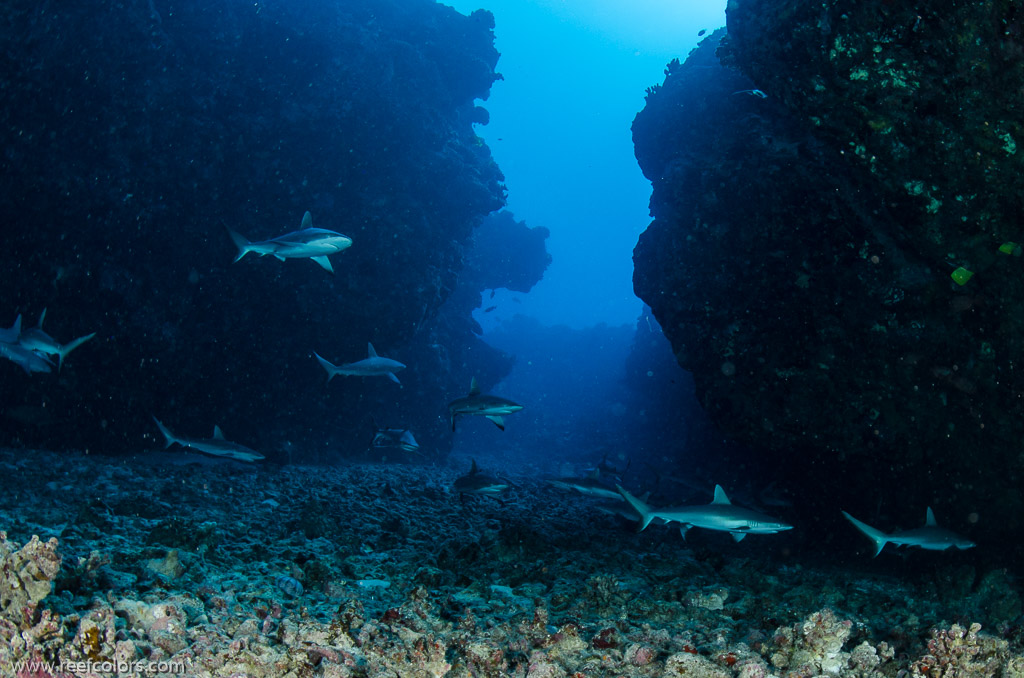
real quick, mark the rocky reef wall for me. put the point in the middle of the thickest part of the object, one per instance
(834, 247)
(133, 133)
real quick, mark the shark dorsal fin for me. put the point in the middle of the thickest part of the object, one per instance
(929, 518)
(595, 474)
(408, 438)
(474, 388)
(17, 325)
(473, 469)
(720, 497)
(42, 317)
(307, 220)
(217, 433)
(369, 350)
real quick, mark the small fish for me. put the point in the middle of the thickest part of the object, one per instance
(752, 92)
(291, 586)
(306, 243)
(373, 584)
(372, 366)
(489, 309)
(701, 32)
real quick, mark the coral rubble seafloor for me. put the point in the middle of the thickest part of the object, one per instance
(380, 570)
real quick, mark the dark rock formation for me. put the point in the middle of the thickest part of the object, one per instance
(801, 254)
(133, 133)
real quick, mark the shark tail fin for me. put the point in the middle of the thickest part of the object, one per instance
(638, 505)
(168, 436)
(240, 242)
(877, 536)
(327, 365)
(71, 346)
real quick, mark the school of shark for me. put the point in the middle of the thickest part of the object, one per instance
(33, 351)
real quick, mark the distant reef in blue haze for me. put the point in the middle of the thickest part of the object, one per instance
(134, 133)
(835, 247)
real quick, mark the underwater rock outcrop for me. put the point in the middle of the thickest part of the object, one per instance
(133, 134)
(820, 204)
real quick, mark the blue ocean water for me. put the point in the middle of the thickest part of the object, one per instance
(318, 360)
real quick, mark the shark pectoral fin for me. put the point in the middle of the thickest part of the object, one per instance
(392, 377)
(279, 257)
(738, 536)
(324, 262)
(683, 529)
(498, 421)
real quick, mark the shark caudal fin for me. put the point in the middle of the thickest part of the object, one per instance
(327, 365)
(63, 350)
(168, 436)
(240, 242)
(877, 536)
(642, 509)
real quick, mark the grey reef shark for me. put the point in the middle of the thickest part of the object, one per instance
(395, 438)
(720, 515)
(589, 485)
(479, 483)
(31, 349)
(372, 366)
(930, 537)
(479, 405)
(215, 447)
(306, 243)
(38, 341)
